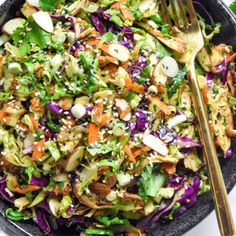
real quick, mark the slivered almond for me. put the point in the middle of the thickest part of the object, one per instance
(118, 51)
(10, 26)
(44, 20)
(156, 144)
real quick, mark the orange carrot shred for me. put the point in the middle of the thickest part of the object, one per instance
(34, 123)
(169, 168)
(3, 112)
(128, 151)
(127, 14)
(28, 189)
(93, 133)
(38, 149)
(231, 58)
(141, 151)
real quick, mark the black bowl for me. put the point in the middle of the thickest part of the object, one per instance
(204, 206)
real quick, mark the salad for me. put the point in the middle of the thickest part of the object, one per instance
(98, 131)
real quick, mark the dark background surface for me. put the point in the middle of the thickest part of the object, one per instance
(204, 205)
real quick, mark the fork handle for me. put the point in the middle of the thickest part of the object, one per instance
(218, 189)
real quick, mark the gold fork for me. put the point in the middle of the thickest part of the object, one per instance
(185, 18)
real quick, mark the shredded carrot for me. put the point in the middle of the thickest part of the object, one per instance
(105, 120)
(118, 5)
(28, 189)
(127, 14)
(204, 93)
(38, 149)
(103, 169)
(35, 102)
(161, 88)
(169, 168)
(141, 151)
(231, 58)
(128, 151)
(34, 123)
(3, 112)
(104, 60)
(93, 42)
(134, 86)
(97, 112)
(93, 133)
(105, 48)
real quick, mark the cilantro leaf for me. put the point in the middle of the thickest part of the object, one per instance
(174, 83)
(107, 221)
(233, 7)
(49, 5)
(30, 33)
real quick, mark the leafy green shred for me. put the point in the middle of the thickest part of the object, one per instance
(150, 182)
(174, 83)
(108, 221)
(16, 215)
(233, 7)
(102, 148)
(49, 5)
(99, 232)
(53, 149)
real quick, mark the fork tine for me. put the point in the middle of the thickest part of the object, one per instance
(165, 12)
(184, 16)
(192, 12)
(176, 20)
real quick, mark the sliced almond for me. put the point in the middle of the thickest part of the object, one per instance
(169, 66)
(119, 52)
(159, 78)
(172, 122)
(10, 26)
(28, 10)
(156, 144)
(44, 20)
(34, 3)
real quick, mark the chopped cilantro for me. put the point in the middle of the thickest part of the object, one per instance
(174, 83)
(49, 5)
(30, 33)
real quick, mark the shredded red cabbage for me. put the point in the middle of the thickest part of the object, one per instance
(42, 222)
(128, 39)
(165, 134)
(141, 120)
(209, 78)
(185, 142)
(3, 185)
(136, 68)
(57, 109)
(43, 181)
(229, 153)
(176, 182)
(189, 198)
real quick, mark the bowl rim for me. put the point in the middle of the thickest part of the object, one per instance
(21, 229)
